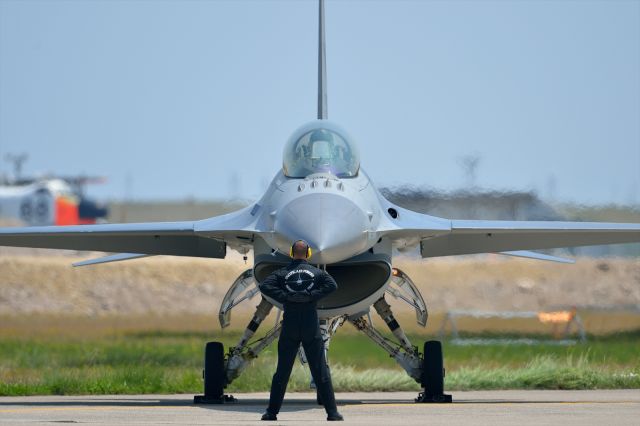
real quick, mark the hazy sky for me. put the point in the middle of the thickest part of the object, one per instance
(196, 99)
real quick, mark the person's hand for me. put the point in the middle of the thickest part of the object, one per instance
(299, 297)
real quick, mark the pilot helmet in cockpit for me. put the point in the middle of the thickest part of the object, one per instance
(321, 149)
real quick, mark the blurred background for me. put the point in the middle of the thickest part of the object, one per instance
(194, 100)
(134, 111)
(158, 111)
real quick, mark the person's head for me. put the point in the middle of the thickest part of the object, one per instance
(321, 135)
(300, 250)
(320, 150)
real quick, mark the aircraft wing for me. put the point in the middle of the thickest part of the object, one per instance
(442, 237)
(487, 236)
(205, 238)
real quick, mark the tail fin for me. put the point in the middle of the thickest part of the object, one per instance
(322, 66)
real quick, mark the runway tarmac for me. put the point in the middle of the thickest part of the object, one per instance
(566, 408)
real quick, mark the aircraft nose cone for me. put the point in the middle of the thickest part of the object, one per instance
(333, 225)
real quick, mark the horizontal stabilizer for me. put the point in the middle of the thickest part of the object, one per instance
(112, 258)
(537, 256)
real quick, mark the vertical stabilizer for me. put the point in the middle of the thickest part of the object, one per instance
(322, 66)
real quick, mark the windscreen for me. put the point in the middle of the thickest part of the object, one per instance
(320, 151)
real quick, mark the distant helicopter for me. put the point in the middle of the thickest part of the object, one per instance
(47, 200)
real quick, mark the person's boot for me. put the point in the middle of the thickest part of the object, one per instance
(326, 395)
(335, 417)
(269, 416)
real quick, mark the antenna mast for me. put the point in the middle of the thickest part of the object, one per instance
(17, 160)
(322, 65)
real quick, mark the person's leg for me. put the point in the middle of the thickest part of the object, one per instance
(287, 350)
(314, 350)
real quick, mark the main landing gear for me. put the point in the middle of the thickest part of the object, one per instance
(220, 369)
(213, 375)
(425, 368)
(432, 379)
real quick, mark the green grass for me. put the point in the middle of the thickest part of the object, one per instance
(547, 372)
(171, 362)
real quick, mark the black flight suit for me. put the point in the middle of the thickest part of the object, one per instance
(298, 286)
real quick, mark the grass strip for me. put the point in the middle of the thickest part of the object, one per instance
(172, 363)
(543, 372)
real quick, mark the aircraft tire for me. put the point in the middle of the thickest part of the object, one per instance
(433, 368)
(214, 375)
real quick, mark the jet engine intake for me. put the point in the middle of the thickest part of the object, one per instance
(361, 281)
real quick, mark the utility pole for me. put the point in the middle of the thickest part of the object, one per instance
(469, 165)
(17, 160)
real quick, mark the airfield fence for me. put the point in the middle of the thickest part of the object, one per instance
(561, 321)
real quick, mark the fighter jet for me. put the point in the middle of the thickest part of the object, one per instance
(323, 195)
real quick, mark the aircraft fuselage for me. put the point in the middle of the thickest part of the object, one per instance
(337, 217)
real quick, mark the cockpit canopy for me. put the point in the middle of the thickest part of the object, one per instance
(320, 147)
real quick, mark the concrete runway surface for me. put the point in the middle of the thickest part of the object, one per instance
(615, 407)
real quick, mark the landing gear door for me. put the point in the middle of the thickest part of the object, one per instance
(401, 287)
(246, 284)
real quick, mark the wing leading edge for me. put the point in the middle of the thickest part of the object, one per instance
(485, 236)
(443, 237)
(171, 238)
(204, 238)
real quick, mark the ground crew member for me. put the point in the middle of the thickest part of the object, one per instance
(298, 286)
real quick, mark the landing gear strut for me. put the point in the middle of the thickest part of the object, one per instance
(428, 369)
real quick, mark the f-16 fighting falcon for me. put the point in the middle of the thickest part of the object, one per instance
(322, 195)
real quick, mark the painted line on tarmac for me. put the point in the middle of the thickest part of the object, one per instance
(492, 404)
(80, 408)
(361, 405)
